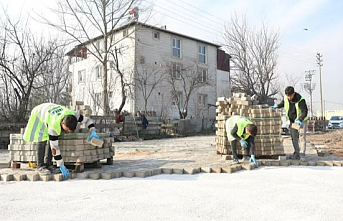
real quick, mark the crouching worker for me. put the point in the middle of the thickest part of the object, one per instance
(241, 129)
(46, 123)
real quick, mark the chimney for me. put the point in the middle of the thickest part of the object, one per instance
(164, 27)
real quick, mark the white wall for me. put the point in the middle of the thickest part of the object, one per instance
(223, 84)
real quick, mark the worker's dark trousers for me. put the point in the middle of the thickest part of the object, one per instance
(295, 139)
(44, 155)
(251, 148)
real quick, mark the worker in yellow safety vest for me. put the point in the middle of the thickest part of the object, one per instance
(296, 112)
(241, 129)
(46, 122)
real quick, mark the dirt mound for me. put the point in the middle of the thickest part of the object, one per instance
(332, 141)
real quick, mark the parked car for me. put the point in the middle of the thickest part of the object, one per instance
(285, 125)
(335, 122)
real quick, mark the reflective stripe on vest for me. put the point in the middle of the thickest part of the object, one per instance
(45, 119)
(298, 110)
(242, 123)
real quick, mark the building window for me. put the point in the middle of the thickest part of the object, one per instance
(110, 94)
(142, 60)
(202, 54)
(125, 33)
(97, 97)
(156, 35)
(81, 75)
(98, 45)
(202, 74)
(98, 72)
(177, 48)
(202, 100)
(176, 71)
(178, 100)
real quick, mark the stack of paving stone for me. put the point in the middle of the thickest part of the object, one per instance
(268, 141)
(80, 108)
(316, 124)
(74, 148)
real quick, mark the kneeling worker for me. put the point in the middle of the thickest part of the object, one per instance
(46, 122)
(241, 129)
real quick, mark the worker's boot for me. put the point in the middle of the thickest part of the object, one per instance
(54, 170)
(43, 170)
(302, 158)
(245, 159)
(295, 156)
(235, 161)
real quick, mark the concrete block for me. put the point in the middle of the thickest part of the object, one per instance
(295, 126)
(82, 175)
(72, 175)
(320, 163)
(205, 169)
(301, 163)
(285, 163)
(337, 163)
(19, 177)
(117, 174)
(129, 174)
(32, 177)
(143, 174)
(94, 176)
(229, 169)
(46, 178)
(312, 163)
(237, 167)
(275, 163)
(96, 142)
(7, 177)
(247, 167)
(282, 157)
(328, 163)
(106, 176)
(157, 171)
(191, 170)
(227, 157)
(216, 170)
(57, 177)
(178, 171)
(167, 170)
(294, 162)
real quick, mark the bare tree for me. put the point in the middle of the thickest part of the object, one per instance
(23, 60)
(254, 54)
(147, 79)
(81, 19)
(185, 78)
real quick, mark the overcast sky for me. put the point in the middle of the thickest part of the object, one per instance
(205, 19)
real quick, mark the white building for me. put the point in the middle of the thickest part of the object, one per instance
(145, 53)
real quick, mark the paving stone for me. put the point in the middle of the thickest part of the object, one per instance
(227, 157)
(229, 169)
(328, 163)
(285, 163)
(275, 163)
(82, 175)
(57, 177)
(205, 169)
(320, 163)
(266, 163)
(167, 170)
(94, 176)
(19, 177)
(178, 171)
(72, 175)
(282, 158)
(45, 178)
(128, 174)
(294, 162)
(117, 174)
(237, 167)
(106, 176)
(312, 163)
(7, 177)
(143, 174)
(157, 171)
(247, 167)
(301, 163)
(32, 177)
(216, 170)
(191, 170)
(337, 163)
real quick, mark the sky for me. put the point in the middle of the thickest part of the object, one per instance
(205, 19)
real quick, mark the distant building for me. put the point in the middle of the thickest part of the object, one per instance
(223, 74)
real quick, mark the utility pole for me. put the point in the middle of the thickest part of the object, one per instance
(309, 87)
(320, 64)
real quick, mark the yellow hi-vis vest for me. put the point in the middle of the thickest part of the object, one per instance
(45, 119)
(298, 110)
(242, 123)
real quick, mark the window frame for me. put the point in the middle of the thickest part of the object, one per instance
(175, 73)
(202, 52)
(98, 69)
(81, 73)
(202, 100)
(203, 74)
(174, 47)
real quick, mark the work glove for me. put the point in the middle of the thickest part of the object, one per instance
(252, 159)
(93, 134)
(244, 143)
(298, 122)
(273, 107)
(65, 171)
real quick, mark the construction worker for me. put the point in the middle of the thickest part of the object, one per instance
(241, 129)
(296, 112)
(46, 122)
